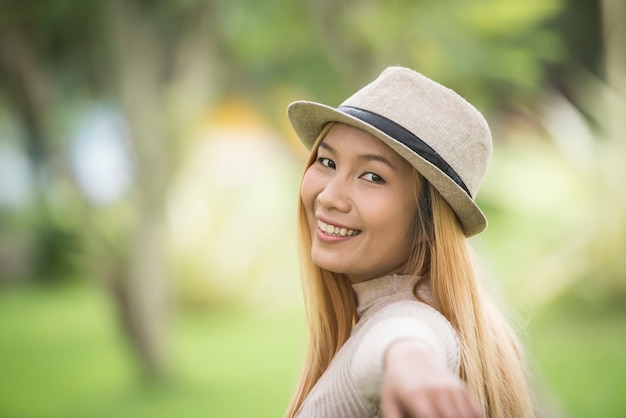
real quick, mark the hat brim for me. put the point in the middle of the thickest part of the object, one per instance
(309, 118)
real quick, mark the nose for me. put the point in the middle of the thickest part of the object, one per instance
(335, 195)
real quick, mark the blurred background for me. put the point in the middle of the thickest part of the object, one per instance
(149, 179)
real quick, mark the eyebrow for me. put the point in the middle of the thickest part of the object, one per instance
(362, 157)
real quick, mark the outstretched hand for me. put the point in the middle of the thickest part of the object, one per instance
(416, 385)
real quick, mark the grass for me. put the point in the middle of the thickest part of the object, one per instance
(61, 355)
(580, 352)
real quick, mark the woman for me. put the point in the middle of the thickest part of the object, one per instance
(399, 323)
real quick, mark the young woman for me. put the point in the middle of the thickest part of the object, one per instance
(399, 323)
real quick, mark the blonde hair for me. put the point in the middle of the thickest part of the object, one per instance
(492, 362)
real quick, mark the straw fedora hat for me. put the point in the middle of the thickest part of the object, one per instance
(437, 131)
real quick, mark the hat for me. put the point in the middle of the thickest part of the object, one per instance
(437, 131)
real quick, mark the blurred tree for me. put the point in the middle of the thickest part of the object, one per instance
(567, 188)
(27, 82)
(154, 67)
(590, 128)
(495, 52)
(162, 63)
(148, 81)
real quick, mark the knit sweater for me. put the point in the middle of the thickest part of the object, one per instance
(387, 311)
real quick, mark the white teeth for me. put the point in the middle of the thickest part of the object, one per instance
(335, 230)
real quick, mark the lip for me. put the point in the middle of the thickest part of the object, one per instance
(332, 238)
(333, 223)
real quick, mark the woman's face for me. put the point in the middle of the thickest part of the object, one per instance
(360, 205)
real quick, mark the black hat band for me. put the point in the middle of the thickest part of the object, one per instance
(406, 137)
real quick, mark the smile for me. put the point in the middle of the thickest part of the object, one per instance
(336, 231)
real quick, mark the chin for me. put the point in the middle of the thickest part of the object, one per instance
(333, 265)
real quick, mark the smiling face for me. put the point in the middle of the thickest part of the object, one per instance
(359, 199)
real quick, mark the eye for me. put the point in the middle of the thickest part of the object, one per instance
(373, 177)
(327, 162)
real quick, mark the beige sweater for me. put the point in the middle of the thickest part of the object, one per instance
(387, 311)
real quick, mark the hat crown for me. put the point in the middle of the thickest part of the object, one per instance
(435, 114)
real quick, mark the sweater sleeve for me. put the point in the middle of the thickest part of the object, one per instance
(413, 320)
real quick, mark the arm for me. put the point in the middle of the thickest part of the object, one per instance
(416, 384)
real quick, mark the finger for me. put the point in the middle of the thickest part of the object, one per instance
(390, 407)
(448, 406)
(443, 405)
(421, 408)
(466, 406)
(451, 403)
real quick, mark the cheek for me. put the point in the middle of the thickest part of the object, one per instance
(397, 226)
(309, 189)
(409, 227)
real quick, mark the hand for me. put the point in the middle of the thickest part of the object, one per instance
(416, 385)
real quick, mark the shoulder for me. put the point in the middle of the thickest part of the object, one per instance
(411, 319)
(406, 316)
(406, 319)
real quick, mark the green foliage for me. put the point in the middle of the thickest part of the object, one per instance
(493, 51)
(163, 62)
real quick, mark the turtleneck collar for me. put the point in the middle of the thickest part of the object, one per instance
(386, 289)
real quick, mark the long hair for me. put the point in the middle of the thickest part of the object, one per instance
(492, 361)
